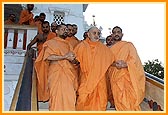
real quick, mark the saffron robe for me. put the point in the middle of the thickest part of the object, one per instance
(94, 58)
(26, 18)
(109, 91)
(57, 79)
(73, 41)
(127, 84)
(40, 44)
(9, 22)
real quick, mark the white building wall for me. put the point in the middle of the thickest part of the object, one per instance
(73, 14)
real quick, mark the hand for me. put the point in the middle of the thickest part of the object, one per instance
(75, 61)
(29, 53)
(70, 56)
(120, 64)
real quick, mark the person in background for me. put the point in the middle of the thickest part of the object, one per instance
(84, 35)
(70, 37)
(11, 19)
(36, 18)
(41, 38)
(109, 43)
(26, 16)
(38, 23)
(73, 41)
(75, 29)
(53, 26)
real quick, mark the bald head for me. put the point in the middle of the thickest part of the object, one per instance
(92, 28)
(94, 34)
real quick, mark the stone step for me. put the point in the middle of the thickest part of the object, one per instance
(43, 106)
(144, 106)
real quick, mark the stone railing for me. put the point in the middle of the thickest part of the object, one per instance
(16, 38)
(154, 93)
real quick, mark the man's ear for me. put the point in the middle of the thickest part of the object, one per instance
(88, 35)
(122, 34)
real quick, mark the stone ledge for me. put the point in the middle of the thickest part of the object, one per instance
(14, 52)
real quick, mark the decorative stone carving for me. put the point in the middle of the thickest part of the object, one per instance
(14, 52)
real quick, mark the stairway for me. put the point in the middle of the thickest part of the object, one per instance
(44, 107)
(13, 61)
(144, 106)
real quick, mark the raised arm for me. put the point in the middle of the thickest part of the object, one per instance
(35, 40)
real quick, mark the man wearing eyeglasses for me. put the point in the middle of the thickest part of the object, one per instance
(94, 58)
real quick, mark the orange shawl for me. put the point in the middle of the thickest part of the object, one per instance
(94, 58)
(73, 41)
(128, 84)
(9, 22)
(40, 45)
(26, 17)
(56, 81)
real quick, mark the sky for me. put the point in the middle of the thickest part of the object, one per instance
(143, 24)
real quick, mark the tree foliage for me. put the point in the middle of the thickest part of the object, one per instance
(155, 68)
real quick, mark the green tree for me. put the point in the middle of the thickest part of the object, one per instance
(154, 67)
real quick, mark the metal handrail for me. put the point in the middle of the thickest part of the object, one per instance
(154, 78)
(17, 89)
(157, 84)
(26, 86)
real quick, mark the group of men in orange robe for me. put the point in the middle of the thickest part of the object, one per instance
(84, 75)
(84, 87)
